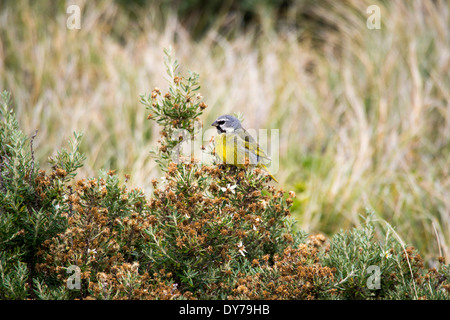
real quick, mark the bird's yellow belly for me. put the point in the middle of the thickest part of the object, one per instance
(231, 150)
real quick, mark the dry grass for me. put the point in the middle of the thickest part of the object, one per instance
(364, 116)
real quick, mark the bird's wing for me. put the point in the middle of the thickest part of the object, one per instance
(251, 145)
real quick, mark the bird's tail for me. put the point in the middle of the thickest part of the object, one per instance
(267, 170)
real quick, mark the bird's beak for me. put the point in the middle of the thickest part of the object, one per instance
(214, 124)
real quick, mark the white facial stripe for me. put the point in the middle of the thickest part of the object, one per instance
(229, 129)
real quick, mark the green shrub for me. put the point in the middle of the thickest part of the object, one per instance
(31, 209)
(367, 268)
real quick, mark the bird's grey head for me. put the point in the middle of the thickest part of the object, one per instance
(226, 123)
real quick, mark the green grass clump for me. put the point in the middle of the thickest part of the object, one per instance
(367, 268)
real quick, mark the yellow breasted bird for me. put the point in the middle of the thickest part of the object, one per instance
(234, 144)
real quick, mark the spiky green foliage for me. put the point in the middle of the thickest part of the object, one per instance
(31, 204)
(370, 268)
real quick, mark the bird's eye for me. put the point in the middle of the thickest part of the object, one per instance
(221, 122)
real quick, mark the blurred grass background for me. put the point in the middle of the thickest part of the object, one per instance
(364, 115)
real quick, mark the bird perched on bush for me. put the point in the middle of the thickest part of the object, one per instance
(234, 144)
